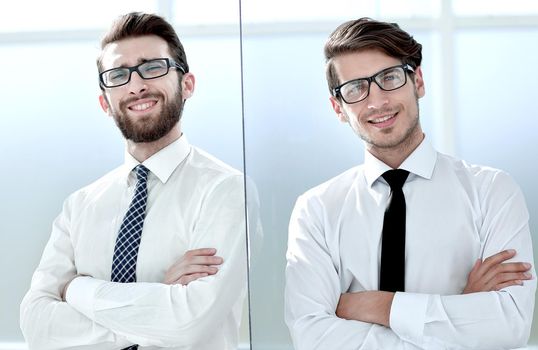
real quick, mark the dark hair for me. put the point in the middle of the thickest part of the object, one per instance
(136, 24)
(366, 33)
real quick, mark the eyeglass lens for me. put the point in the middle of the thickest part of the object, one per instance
(147, 70)
(388, 79)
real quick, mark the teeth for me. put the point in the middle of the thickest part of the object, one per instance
(142, 106)
(382, 119)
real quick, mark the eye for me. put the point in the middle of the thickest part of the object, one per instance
(117, 75)
(153, 68)
(391, 78)
(354, 88)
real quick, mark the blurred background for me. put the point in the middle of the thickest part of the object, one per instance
(261, 104)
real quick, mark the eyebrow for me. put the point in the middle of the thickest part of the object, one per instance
(139, 61)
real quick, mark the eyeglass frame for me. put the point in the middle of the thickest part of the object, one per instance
(170, 63)
(406, 67)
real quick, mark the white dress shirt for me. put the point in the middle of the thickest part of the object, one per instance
(194, 201)
(456, 213)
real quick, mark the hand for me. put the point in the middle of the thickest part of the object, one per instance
(492, 274)
(367, 306)
(194, 264)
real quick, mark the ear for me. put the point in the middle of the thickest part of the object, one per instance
(103, 101)
(187, 85)
(337, 107)
(419, 82)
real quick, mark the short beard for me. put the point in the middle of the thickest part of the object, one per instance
(152, 128)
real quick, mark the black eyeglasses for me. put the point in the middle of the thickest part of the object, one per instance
(388, 79)
(150, 69)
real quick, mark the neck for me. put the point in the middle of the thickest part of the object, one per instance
(395, 156)
(143, 150)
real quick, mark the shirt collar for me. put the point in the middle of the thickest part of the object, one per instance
(163, 163)
(420, 162)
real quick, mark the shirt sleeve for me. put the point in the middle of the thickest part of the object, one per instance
(488, 320)
(156, 314)
(46, 321)
(313, 291)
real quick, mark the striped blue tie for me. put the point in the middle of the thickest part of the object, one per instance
(128, 241)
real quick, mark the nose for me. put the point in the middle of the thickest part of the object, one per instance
(376, 98)
(136, 85)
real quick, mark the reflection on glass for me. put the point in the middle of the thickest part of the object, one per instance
(63, 141)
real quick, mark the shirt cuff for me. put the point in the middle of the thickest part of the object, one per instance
(80, 294)
(407, 316)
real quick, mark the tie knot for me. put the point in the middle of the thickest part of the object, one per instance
(141, 172)
(396, 178)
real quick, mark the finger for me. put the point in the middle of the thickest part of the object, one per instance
(498, 258)
(186, 279)
(495, 260)
(511, 267)
(201, 251)
(203, 260)
(497, 271)
(176, 273)
(505, 277)
(508, 284)
(191, 269)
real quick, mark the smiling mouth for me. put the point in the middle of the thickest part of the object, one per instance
(382, 119)
(140, 107)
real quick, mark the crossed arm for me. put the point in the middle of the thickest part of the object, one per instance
(492, 311)
(492, 274)
(193, 265)
(196, 294)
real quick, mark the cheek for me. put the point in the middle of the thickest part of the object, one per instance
(353, 115)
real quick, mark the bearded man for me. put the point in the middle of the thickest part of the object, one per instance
(153, 254)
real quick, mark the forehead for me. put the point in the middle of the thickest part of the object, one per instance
(362, 64)
(132, 51)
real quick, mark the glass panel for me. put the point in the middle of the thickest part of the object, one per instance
(495, 7)
(409, 9)
(49, 126)
(67, 15)
(496, 123)
(263, 11)
(57, 139)
(293, 141)
(204, 12)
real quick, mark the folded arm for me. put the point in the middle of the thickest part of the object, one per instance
(498, 318)
(46, 321)
(158, 314)
(313, 290)
(165, 314)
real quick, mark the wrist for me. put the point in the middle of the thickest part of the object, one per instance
(367, 306)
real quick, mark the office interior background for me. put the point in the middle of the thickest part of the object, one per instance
(261, 104)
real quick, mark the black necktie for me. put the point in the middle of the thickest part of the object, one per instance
(392, 272)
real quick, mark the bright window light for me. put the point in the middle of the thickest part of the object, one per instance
(494, 7)
(54, 15)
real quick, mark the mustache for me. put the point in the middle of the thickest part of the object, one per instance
(129, 100)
